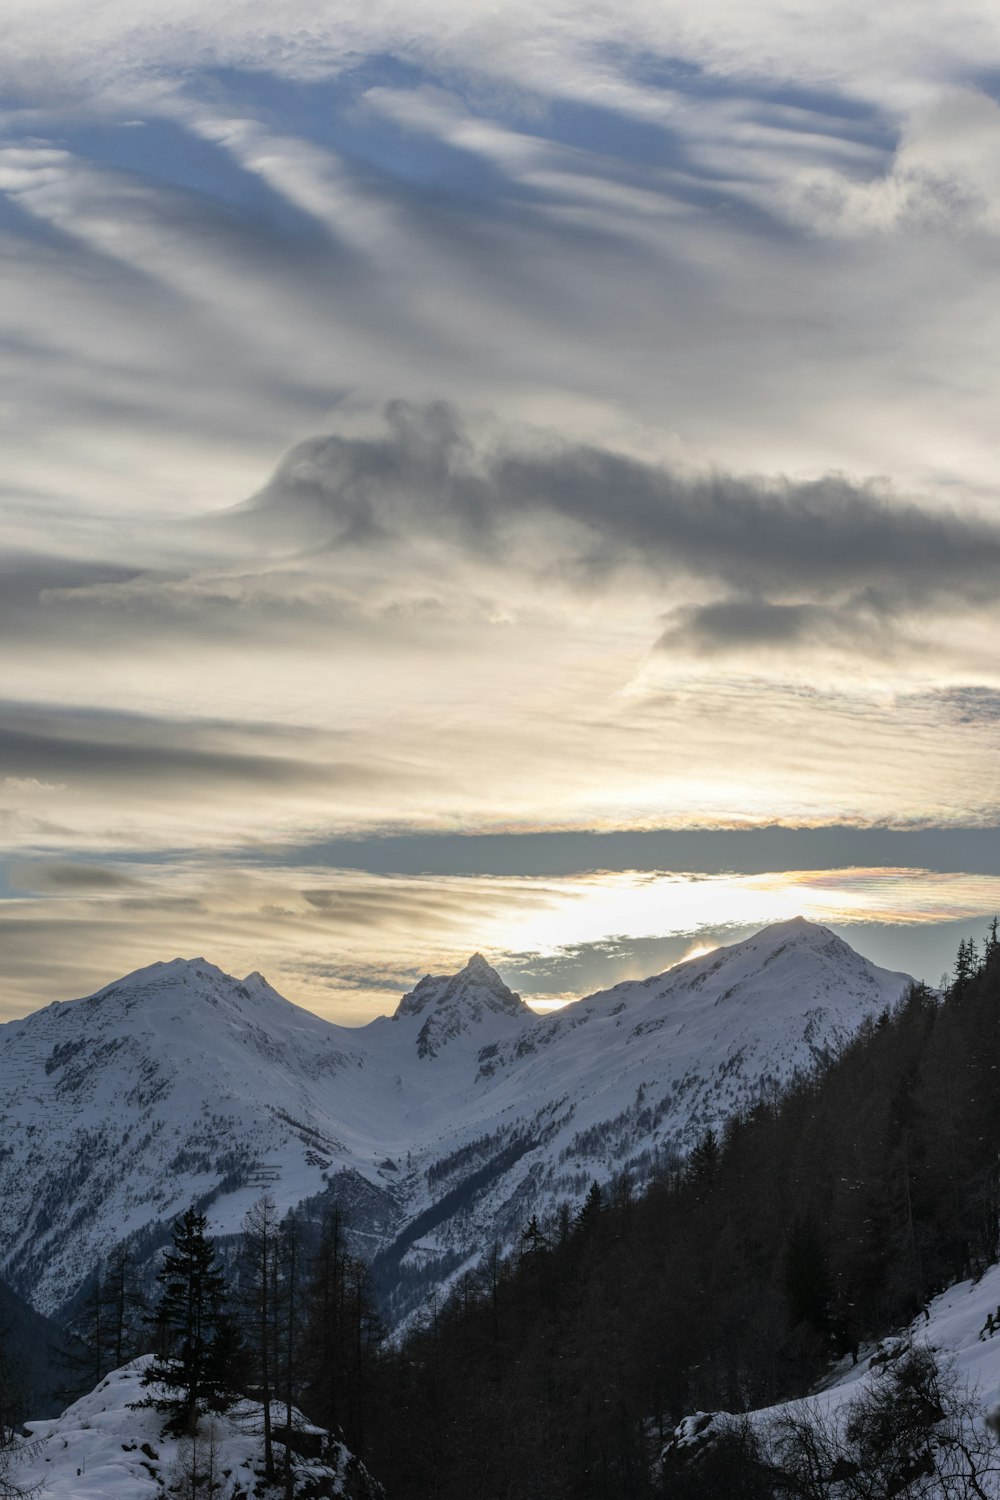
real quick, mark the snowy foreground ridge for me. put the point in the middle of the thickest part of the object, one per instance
(961, 1329)
(439, 1129)
(103, 1449)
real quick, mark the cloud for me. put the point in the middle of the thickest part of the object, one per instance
(420, 530)
(755, 625)
(66, 877)
(962, 703)
(943, 176)
(595, 509)
(72, 778)
(124, 749)
(600, 52)
(724, 281)
(747, 851)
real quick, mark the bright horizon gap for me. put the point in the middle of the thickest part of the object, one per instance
(322, 936)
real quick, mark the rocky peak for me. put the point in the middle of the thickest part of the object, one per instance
(455, 1004)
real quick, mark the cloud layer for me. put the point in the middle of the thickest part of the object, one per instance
(448, 420)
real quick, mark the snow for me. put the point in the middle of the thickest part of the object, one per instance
(180, 1082)
(103, 1449)
(954, 1329)
(955, 1326)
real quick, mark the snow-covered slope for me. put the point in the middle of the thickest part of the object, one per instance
(101, 1448)
(955, 1327)
(122, 1108)
(441, 1128)
(961, 1329)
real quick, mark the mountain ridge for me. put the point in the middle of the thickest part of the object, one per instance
(179, 1082)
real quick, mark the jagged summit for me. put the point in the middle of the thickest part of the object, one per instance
(455, 1004)
(477, 981)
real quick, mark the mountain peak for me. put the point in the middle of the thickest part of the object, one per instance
(454, 1004)
(166, 971)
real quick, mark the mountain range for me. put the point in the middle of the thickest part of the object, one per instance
(439, 1130)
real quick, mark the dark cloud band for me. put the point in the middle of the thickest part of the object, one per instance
(131, 750)
(427, 473)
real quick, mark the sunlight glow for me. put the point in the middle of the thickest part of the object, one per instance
(698, 950)
(322, 935)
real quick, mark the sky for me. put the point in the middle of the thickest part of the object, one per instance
(512, 478)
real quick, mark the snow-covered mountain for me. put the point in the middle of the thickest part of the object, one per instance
(440, 1129)
(457, 1006)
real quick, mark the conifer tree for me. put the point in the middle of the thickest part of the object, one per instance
(966, 963)
(11, 1392)
(290, 1288)
(199, 1339)
(590, 1210)
(533, 1240)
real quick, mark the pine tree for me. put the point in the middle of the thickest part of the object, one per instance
(966, 964)
(533, 1240)
(290, 1289)
(11, 1391)
(806, 1278)
(591, 1209)
(324, 1333)
(703, 1163)
(991, 948)
(199, 1339)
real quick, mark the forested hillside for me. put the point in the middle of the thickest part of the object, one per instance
(826, 1216)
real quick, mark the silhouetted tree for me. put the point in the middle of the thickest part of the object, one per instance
(200, 1343)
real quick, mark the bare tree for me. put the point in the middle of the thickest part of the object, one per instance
(915, 1431)
(260, 1252)
(196, 1472)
